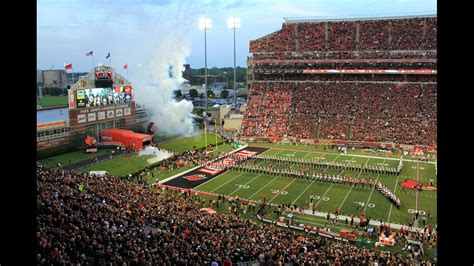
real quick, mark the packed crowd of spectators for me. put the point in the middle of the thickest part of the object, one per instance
(373, 35)
(273, 114)
(347, 65)
(256, 92)
(375, 54)
(407, 34)
(311, 36)
(342, 36)
(397, 112)
(86, 219)
(304, 119)
(283, 40)
(393, 34)
(282, 76)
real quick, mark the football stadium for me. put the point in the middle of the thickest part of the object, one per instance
(335, 161)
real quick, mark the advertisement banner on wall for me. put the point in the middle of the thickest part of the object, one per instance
(110, 114)
(81, 118)
(80, 98)
(72, 102)
(101, 115)
(91, 117)
(119, 112)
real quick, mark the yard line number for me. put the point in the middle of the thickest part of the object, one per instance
(319, 197)
(283, 192)
(370, 205)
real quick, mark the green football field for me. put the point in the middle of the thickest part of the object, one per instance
(329, 196)
(188, 143)
(72, 157)
(50, 101)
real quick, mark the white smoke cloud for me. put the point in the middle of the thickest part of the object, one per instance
(161, 72)
(159, 154)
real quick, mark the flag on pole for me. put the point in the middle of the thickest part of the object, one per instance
(91, 53)
(125, 66)
(67, 66)
(108, 55)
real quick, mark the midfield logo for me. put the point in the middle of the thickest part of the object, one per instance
(195, 177)
(411, 184)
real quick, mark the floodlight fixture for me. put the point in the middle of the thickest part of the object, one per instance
(233, 23)
(205, 23)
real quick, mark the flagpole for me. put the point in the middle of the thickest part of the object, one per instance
(93, 63)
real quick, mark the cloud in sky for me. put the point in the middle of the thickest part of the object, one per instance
(68, 29)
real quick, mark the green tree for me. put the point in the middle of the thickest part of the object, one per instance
(193, 93)
(224, 94)
(78, 140)
(210, 94)
(178, 94)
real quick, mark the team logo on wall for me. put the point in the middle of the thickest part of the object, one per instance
(110, 114)
(195, 177)
(411, 184)
(119, 112)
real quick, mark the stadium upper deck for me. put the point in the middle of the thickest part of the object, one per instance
(366, 79)
(383, 33)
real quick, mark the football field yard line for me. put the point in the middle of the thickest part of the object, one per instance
(305, 188)
(307, 154)
(231, 180)
(226, 182)
(224, 174)
(370, 195)
(317, 203)
(360, 172)
(303, 192)
(263, 187)
(349, 192)
(244, 185)
(283, 189)
(417, 175)
(364, 156)
(391, 205)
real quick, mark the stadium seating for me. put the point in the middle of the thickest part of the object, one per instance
(346, 36)
(375, 112)
(101, 220)
(398, 108)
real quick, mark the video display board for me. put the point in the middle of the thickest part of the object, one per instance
(96, 97)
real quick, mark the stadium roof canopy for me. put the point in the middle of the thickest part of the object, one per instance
(404, 15)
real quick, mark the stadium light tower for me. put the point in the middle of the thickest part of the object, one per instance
(234, 23)
(205, 23)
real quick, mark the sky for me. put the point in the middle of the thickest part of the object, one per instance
(67, 29)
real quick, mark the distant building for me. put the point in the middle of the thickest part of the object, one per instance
(233, 122)
(53, 78)
(39, 77)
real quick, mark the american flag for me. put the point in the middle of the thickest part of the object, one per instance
(89, 53)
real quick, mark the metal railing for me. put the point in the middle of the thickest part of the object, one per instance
(52, 136)
(398, 15)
